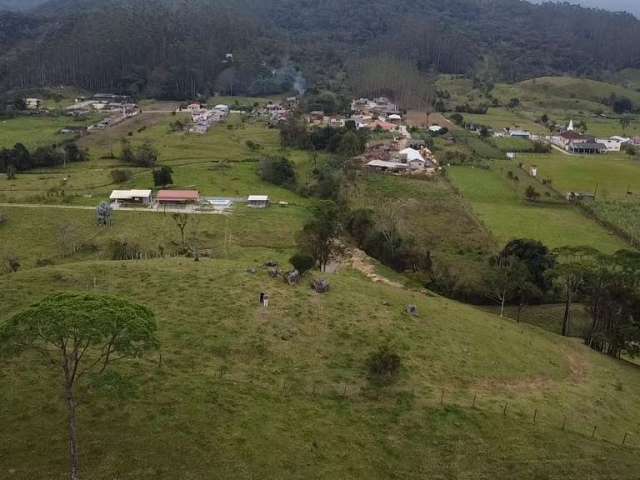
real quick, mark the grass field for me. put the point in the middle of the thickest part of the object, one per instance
(508, 144)
(611, 175)
(508, 215)
(37, 131)
(252, 393)
(222, 235)
(500, 118)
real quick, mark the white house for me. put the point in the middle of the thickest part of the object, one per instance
(258, 201)
(411, 154)
(142, 197)
(613, 144)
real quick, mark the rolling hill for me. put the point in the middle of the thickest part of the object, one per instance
(282, 393)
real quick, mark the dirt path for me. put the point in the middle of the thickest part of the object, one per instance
(361, 262)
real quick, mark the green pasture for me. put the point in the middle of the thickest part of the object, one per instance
(242, 390)
(507, 214)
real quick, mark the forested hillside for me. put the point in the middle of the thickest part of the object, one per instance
(175, 48)
(19, 4)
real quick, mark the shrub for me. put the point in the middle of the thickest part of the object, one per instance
(384, 365)
(301, 262)
(539, 147)
(278, 170)
(457, 118)
(121, 176)
(121, 249)
(11, 263)
(162, 176)
(629, 149)
(532, 194)
(253, 146)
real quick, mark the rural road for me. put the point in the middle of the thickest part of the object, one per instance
(82, 207)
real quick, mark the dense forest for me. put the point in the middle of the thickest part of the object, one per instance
(180, 48)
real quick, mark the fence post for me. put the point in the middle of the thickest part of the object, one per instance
(564, 423)
(626, 434)
(344, 392)
(475, 397)
(593, 434)
(442, 398)
(535, 416)
(504, 411)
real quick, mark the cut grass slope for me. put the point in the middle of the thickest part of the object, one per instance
(508, 215)
(281, 393)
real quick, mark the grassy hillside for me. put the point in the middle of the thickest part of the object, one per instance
(281, 393)
(560, 98)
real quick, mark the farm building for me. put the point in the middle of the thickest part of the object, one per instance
(258, 201)
(520, 134)
(385, 166)
(142, 197)
(178, 197)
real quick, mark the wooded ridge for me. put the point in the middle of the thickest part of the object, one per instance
(178, 48)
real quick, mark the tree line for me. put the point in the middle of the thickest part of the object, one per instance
(20, 158)
(177, 49)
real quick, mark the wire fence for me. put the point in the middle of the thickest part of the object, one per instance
(538, 417)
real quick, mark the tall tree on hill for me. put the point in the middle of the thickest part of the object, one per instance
(537, 258)
(573, 266)
(506, 278)
(79, 334)
(612, 288)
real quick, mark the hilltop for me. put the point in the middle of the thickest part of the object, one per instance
(248, 392)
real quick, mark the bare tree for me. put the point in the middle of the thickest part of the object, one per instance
(182, 220)
(68, 239)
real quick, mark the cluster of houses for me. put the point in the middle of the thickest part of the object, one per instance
(572, 141)
(117, 108)
(379, 114)
(389, 158)
(204, 118)
(183, 200)
(277, 112)
(578, 143)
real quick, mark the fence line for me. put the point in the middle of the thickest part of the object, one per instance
(469, 400)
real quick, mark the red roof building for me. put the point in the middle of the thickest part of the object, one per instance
(178, 196)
